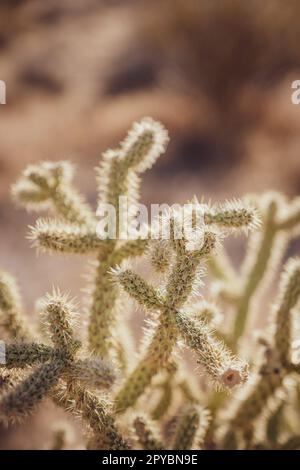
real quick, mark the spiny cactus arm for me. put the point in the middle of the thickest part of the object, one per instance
(135, 286)
(60, 314)
(147, 434)
(160, 255)
(112, 181)
(157, 355)
(20, 355)
(185, 271)
(224, 369)
(49, 183)
(181, 280)
(79, 401)
(50, 235)
(103, 310)
(11, 319)
(22, 400)
(233, 215)
(165, 400)
(29, 195)
(204, 426)
(288, 298)
(260, 254)
(95, 412)
(117, 173)
(166, 387)
(71, 206)
(145, 142)
(94, 373)
(186, 428)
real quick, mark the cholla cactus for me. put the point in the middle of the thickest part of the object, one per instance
(53, 363)
(281, 222)
(74, 231)
(173, 322)
(167, 404)
(60, 373)
(277, 362)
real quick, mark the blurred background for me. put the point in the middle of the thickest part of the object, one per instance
(216, 73)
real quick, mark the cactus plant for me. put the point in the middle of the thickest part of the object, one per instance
(152, 399)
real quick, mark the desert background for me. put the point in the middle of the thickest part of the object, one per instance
(217, 74)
